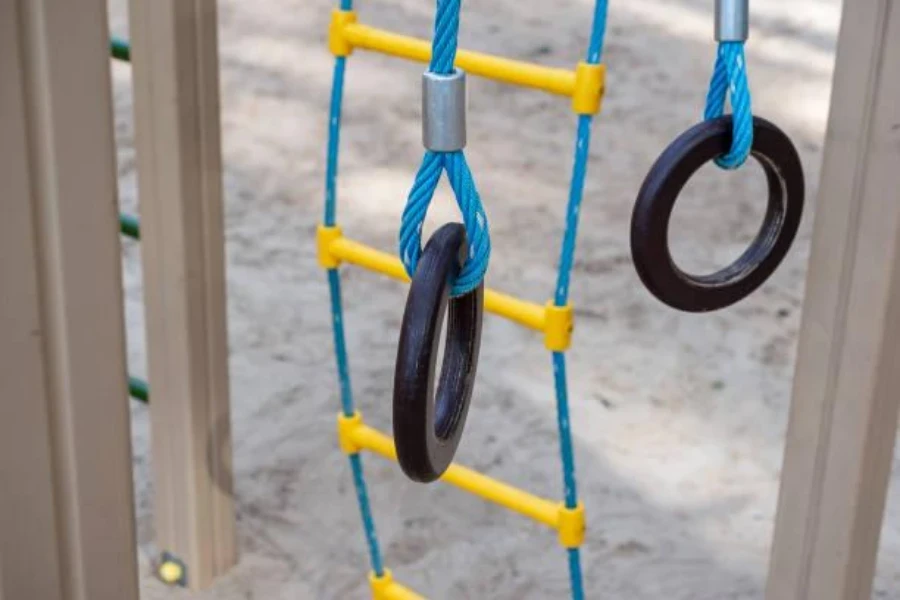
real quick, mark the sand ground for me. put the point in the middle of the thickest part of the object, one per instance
(679, 419)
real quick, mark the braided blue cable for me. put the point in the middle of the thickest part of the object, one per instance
(337, 312)
(729, 81)
(443, 55)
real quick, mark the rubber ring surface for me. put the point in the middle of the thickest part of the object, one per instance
(653, 209)
(428, 427)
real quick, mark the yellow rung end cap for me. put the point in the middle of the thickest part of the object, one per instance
(590, 83)
(346, 426)
(385, 588)
(171, 572)
(337, 40)
(571, 526)
(324, 237)
(559, 321)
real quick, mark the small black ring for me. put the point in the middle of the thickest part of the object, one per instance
(650, 220)
(427, 429)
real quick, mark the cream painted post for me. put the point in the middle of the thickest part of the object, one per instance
(176, 97)
(843, 421)
(66, 501)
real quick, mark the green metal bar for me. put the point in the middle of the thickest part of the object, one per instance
(130, 225)
(137, 389)
(120, 49)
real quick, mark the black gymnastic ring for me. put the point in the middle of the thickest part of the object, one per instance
(428, 428)
(650, 220)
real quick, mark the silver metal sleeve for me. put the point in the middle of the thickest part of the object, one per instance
(732, 20)
(444, 111)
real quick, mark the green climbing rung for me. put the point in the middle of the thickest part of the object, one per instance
(120, 49)
(137, 389)
(130, 226)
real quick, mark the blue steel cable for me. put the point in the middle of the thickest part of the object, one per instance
(443, 54)
(729, 81)
(561, 296)
(337, 312)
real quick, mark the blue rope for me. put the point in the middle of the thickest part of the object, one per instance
(570, 491)
(443, 55)
(575, 577)
(729, 81)
(337, 312)
(365, 509)
(340, 344)
(561, 295)
(334, 140)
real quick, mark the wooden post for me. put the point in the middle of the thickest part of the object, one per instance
(176, 89)
(66, 500)
(843, 421)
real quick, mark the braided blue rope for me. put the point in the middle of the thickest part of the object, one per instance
(729, 81)
(337, 312)
(561, 295)
(334, 140)
(443, 55)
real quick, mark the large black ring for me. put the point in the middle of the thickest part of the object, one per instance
(426, 430)
(650, 221)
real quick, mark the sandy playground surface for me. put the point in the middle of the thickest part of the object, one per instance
(679, 419)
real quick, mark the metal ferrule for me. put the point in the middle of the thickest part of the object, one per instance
(732, 20)
(444, 111)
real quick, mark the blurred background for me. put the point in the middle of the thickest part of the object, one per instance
(679, 419)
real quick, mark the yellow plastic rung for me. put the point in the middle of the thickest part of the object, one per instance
(385, 588)
(361, 436)
(334, 248)
(345, 34)
(345, 249)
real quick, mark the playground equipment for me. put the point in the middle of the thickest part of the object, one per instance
(728, 141)
(72, 514)
(130, 227)
(64, 441)
(428, 432)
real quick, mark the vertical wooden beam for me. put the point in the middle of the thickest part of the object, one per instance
(66, 506)
(843, 421)
(176, 84)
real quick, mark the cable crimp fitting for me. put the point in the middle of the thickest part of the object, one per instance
(337, 40)
(571, 526)
(559, 322)
(444, 111)
(325, 235)
(590, 84)
(732, 20)
(346, 426)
